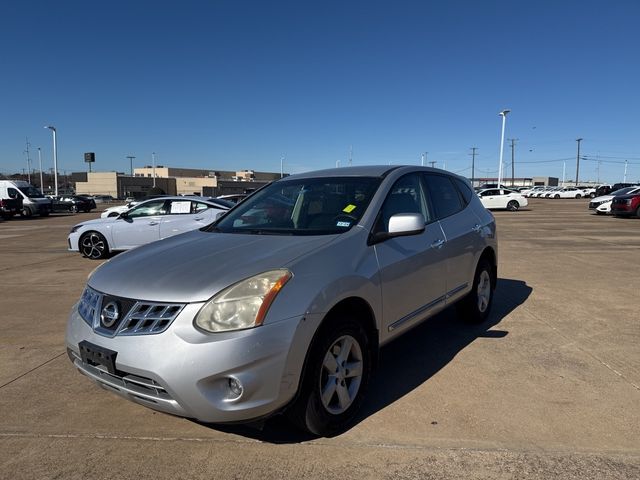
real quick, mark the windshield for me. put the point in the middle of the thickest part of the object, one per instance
(623, 191)
(312, 206)
(31, 192)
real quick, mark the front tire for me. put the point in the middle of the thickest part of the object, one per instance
(475, 307)
(513, 206)
(93, 245)
(26, 212)
(336, 376)
(578, 196)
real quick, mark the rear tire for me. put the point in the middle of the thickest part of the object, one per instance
(26, 212)
(578, 196)
(513, 206)
(475, 307)
(335, 378)
(557, 196)
(93, 245)
(638, 212)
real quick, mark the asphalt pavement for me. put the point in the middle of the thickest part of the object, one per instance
(549, 387)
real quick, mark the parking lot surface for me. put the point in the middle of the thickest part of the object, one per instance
(549, 387)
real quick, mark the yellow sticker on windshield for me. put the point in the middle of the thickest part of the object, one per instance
(349, 208)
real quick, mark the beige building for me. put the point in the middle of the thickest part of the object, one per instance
(99, 183)
(190, 181)
(180, 181)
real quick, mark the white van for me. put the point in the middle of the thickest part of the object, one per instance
(33, 202)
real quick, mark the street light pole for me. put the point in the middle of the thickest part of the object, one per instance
(153, 163)
(55, 158)
(282, 166)
(131, 157)
(626, 162)
(503, 114)
(578, 160)
(40, 164)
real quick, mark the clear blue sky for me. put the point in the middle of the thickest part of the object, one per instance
(237, 84)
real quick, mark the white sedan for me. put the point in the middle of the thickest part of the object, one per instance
(147, 222)
(502, 198)
(602, 205)
(567, 192)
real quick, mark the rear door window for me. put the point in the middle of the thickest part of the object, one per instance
(444, 195)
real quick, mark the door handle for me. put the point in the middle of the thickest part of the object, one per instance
(198, 219)
(437, 244)
(153, 223)
(476, 228)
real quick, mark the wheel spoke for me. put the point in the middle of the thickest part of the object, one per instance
(345, 349)
(353, 369)
(328, 390)
(330, 363)
(343, 395)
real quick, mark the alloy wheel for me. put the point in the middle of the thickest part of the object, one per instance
(341, 374)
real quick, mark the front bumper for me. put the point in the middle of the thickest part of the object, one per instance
(185, 372)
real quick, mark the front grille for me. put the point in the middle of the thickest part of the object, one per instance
(135, 317)
(149, 318)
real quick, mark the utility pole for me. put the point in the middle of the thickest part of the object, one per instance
(473, 165)
(28, 161)
(513, 169)
(350, 155)
(131, 157)
(282, 166)
(578, 160)
(423, 158)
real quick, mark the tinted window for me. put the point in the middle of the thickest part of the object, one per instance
(444, 195)
(465, 190)
(406, 196)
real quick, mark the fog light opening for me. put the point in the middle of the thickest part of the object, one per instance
(235, 387)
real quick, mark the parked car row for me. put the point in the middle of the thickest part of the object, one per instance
(623, 199)
(558, 192)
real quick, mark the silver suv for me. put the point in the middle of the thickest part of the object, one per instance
(284, 302)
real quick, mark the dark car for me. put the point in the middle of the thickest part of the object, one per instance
(607, 189)
(74, 203)
(626, 205)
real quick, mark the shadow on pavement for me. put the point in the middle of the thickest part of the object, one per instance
(407, 362)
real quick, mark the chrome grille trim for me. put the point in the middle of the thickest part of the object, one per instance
(144, 318)
(147, 318)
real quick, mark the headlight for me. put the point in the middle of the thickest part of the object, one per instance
(243, 305)
(76, 228)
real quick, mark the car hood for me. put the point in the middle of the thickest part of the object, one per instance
(603, 198)
(98, 221)
(192, 267)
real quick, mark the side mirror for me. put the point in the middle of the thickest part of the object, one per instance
(219, 214)
(400, 225)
